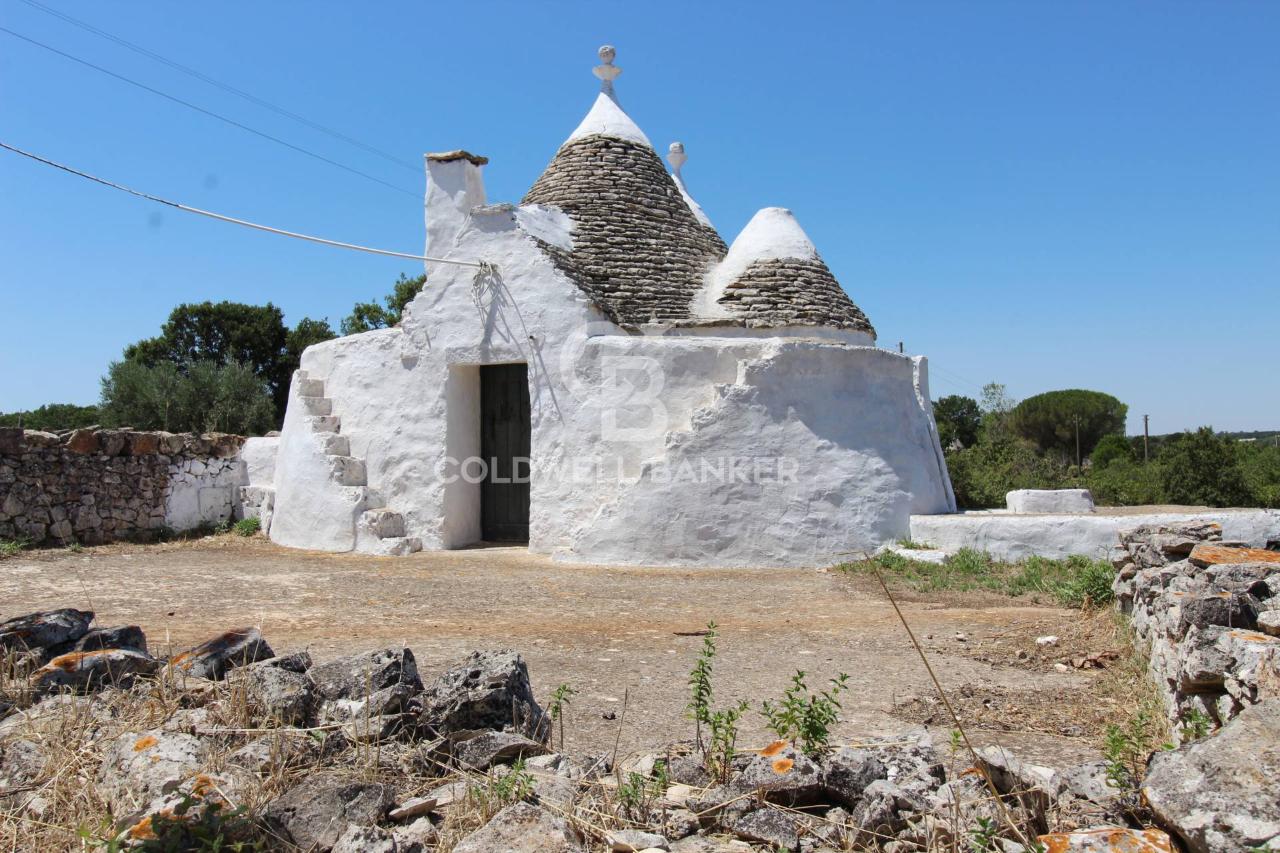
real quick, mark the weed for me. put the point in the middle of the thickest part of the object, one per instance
(498, 792)
(699, 706)
(983, 837)
(1195, 725)
(638, 794)
(722, 727)
(1126, 747)
(806, 717)
(912, 545)
(13, 547)
(559, 699)
(220, 527)
(1078, 582)
(248, 526)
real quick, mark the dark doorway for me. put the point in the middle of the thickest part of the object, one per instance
(504, 446)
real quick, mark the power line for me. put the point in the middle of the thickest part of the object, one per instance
(483, 266)
(210, 113)
(226, 87)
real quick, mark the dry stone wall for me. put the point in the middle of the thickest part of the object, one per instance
(98, 485)
(1209, 613)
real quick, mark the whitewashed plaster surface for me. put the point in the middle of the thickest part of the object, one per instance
(202, 491)
(1013, 537)
(1049, 500)
(852, 419)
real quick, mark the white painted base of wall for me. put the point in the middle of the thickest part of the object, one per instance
(1012, 537)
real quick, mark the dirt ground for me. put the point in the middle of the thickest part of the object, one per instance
(616, 635)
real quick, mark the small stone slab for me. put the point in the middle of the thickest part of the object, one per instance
(88, 671)
(486, 750)
(213, 658)
(44, 629)
(522, 828)
(635, 841)
(1206, 554)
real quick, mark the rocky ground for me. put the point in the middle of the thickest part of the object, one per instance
(417, 732)
(615, 634)
(229, 743)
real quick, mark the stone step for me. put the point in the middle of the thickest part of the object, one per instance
(335, 444)
(317, 405)
(347, 470)
(310, 387)
(399, 546)
(382, 523)
(324, 423)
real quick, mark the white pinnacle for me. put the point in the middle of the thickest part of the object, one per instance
(606, 118)
(677, 158)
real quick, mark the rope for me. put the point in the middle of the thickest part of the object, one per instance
(481, 265)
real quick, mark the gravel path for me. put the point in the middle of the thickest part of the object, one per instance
(608, 632)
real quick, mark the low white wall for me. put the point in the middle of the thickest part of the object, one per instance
(1013, 537)
(203, 491)
(1049, 500)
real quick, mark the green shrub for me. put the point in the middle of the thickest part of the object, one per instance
(1111, 447)
(1203, 468)
(248, 526)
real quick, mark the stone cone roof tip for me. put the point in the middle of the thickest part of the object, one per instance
(607, 118)
(774, 276)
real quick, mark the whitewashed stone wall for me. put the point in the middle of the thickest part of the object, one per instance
(93, 486)
(853, 423)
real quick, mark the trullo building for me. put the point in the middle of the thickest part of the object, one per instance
(594, 372)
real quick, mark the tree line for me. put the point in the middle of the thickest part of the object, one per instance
(214, 367)
(1075, 439)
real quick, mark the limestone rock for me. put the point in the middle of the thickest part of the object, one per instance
(1269, 622)
(279, 689)
(522, 828)
(315, 814)
(774, 827)
(1091, 782)
(635, 840)
(847, 773)
(1222, 793)
(781, 774)
(141, 766)
(485, 750)
(21, 763)
(87, 671)
(1205, 554)
(358, 676)
(365, 839)
(1107, 839)
(417, 837)
(488, 690)
(44, 629)
(119, 637)
(213, 658)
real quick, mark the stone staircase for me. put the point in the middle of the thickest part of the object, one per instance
(379, 530)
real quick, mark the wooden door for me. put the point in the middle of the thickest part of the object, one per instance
(505, 445)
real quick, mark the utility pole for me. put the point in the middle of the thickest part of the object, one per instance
(900, 346)
(1146, 436)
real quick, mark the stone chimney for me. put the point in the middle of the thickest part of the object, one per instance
(454, 187)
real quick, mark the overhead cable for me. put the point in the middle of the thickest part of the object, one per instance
(226, 87)
(481, 265)
(209, 113)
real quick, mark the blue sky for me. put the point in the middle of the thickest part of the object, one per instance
(1048, 195)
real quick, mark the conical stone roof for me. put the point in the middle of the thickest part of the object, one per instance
(638, 250)
(774, 276)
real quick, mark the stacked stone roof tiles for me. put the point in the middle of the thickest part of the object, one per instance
(792, 291)
(637, 251)
(642, 256)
